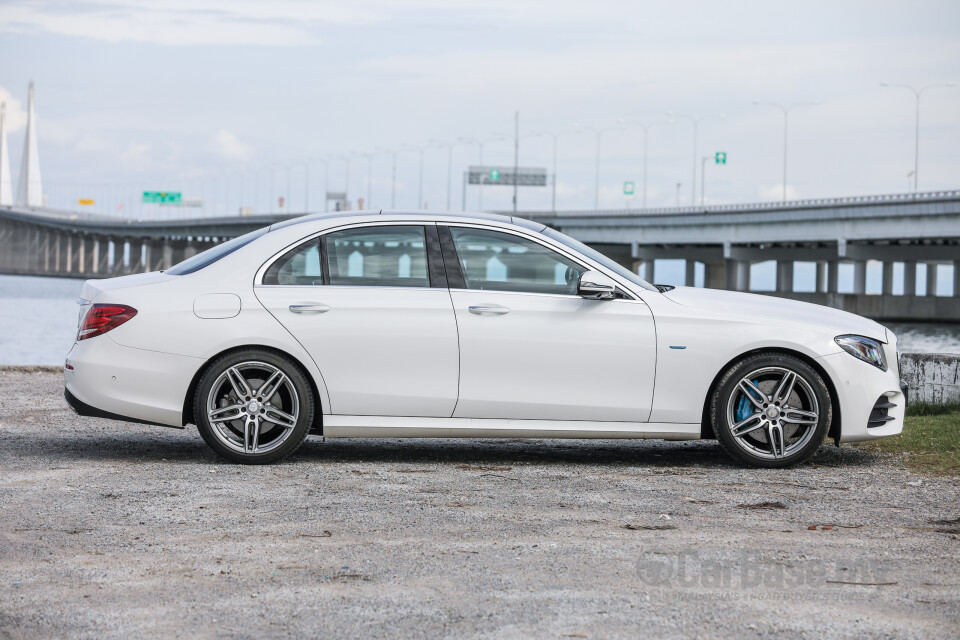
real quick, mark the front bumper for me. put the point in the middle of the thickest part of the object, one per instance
(859, 386)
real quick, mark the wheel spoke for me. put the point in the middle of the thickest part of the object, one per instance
(775, 435)
(747, 425)
(270, 387)
(251, 434)
(226, 414)
(785, 388)
(799, 416)
(239, 383)
(750, 388)
(280, 418)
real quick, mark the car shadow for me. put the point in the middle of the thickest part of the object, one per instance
(186, 447)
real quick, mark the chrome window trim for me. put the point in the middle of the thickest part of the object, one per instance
(262, 271)
(558, 248)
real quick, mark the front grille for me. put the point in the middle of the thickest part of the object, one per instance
(879, 415)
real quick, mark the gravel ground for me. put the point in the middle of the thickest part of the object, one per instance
(113, 530)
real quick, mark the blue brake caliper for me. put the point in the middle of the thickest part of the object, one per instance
(744, 407)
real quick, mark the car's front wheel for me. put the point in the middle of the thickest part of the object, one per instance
(771, 410)
(253, 406)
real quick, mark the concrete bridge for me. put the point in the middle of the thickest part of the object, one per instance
(920, 231)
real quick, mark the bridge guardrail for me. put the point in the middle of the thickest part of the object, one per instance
(753, 207)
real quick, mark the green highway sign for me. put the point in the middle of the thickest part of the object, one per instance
(161, 197)
(720, 157)
(628, 188)
(495, 174)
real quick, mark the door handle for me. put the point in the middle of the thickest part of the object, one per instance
(488, 310)
(310, 308)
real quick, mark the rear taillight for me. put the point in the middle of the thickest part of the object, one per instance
(104, 317)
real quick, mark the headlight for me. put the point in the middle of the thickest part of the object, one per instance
(864, 348)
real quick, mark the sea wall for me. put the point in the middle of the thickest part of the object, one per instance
(932, 377)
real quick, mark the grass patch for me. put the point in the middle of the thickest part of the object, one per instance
(930, 442)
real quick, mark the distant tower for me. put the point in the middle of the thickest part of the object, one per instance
(30, 190)
(6, 189)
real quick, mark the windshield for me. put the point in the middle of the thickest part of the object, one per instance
(211, 255)
(596, 256)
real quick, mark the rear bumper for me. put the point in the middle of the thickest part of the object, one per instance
(109, 380)
(88, 411)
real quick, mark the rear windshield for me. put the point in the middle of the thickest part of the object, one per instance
(211, 255)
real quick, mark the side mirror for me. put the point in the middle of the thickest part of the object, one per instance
(596, 286)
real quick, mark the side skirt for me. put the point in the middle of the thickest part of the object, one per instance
(338, 426)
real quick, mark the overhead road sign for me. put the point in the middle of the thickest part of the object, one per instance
(720, 157)
(524, 176)
(628, 189)
(161, 197)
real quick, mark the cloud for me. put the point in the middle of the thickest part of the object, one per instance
(136, 157)
(181, 22)
(16, 114)
(229, 146)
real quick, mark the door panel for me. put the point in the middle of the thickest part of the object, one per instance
(385, 343)
(553, 357)
(381, 351)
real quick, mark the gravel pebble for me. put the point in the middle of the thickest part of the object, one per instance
(113, 530)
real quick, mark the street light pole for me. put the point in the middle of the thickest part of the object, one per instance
(786, 114)
(346, 175)
(696, 125)
(596, 178)
(369, 157)
(325, 176)
(480, 144)
(646, 135)
(555, 137)
(393, 174)
(703, 178)
(916, 135)
(449, 146)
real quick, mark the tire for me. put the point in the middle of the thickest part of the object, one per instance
(767, 399)
(235, 418)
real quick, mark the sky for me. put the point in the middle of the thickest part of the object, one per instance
(225, 101)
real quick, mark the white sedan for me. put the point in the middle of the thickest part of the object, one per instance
(415, 325)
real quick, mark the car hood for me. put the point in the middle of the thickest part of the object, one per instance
(753, 307)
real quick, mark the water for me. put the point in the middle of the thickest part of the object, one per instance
(38, 323)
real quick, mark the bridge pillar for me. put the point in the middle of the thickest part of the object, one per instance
(690, 273)
(784, 276)
(910, 278)
(833, 276)
(153, 255)
(821, 284)
(887, 278)
(931, 278)
(69, 256)
(650, 270)
(103, 254)
(136, 255)
(47, 239)
(190, 249)
(956, 278)
(88, 255)
(859, 277)
(714, 274)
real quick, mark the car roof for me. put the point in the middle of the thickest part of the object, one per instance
(440, 216)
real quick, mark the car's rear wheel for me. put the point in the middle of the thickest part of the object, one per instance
(253, 406)
(771, 410)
